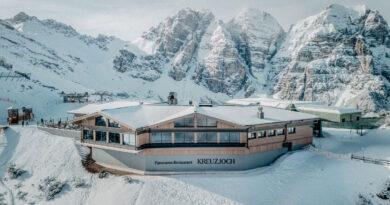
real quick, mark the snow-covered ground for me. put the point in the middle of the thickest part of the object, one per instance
(301, 177)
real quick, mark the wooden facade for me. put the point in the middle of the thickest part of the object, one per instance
(302, 134)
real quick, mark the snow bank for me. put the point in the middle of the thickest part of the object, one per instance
(301, 177)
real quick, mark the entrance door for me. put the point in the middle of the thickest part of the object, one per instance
(288, 145)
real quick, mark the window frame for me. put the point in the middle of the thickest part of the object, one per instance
(271, 131)
(153, 135)
(208, 135)
(114, 133)
(291, 128)
(186, 122)
(89, 133)
(100, 125)
(264, 133)
(252, 135)
(207, 124)
(112, 123)
(101, 136)
(229, 137)
(280, 133)
(129, 139)
(161, 136)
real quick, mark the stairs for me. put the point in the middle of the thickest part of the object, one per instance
(85, 154)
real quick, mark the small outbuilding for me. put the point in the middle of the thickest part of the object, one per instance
(330, 113)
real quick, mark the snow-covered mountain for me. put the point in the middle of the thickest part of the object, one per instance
(340, 56)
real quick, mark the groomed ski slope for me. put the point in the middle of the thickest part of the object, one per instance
(300, 177)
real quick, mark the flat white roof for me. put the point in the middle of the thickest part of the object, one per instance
(146, 115)
(300, 105)
(247, 115)
(268, 102)
(324, 108)
(97, 107)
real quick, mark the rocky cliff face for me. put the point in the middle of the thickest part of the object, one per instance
(225, 58)
(339, 57)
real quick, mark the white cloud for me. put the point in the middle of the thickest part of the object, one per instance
(127, 19)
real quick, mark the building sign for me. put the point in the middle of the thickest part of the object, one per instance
(205, 161)
(172, 162)
(217, 161)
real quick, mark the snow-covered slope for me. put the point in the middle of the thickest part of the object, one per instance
(300, 177)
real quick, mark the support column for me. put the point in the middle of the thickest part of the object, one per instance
(108, 137)
(94, 135)
(195, 137)
(195, 120)
(218, 137)
(173, 137)
(82, 134)
(285, 132)
(121, 138)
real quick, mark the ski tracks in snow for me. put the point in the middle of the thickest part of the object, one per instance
(135, 201)
(9, 141)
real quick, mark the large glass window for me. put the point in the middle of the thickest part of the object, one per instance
(207, 137)
(156, 137)
(114, 137)
(179, 137)
(184, 137)
(88, 134)
(185, 122)
(234, 137)
(229, 137)
(113, 124)
(224, 137)
(129, 139)
(189, 137)
(100, 121)
(205, 122)
(101, 136)
(280, 131)
(166, 137)
(271, 133)
(161, 137)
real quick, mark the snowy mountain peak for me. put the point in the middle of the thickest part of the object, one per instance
(257, 35)
(168, 36)
(22, 17)
(252, 13)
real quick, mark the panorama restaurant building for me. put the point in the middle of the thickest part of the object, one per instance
(168, 138)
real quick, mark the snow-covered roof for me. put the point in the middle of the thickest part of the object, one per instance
(247, 115)
(283, 104)
(97, 107)
(299, 105)
(324, 108)
(146, 115)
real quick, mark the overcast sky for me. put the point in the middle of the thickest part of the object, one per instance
(127, 19)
